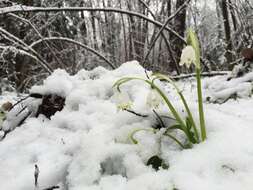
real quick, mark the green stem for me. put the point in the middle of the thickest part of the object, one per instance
(190, 116)
(160, 76)
(200, 102)
(172, 109)
(175, 139)
(131, 136)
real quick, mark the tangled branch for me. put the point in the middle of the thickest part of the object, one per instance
(76, 43)
(22, 9)
(10, 37)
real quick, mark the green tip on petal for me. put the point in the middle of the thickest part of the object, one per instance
(193, 41)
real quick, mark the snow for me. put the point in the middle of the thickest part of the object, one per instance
(220, 89)
(86, 146)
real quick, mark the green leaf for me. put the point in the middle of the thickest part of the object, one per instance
(121, 81)
(131, 136)
(173, 127)
(191, 134)
(171, 81)
(188, 123)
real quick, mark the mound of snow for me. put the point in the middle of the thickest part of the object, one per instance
(86, 146)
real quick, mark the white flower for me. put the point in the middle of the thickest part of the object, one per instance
(2, 117)
(188, 56)
(122, 100)
(153, 99)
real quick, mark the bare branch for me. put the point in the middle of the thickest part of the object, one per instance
(205, 74)
(164, 37)
(149, 10)
(38, 33)
(21, 9)
(20, 51)
(25, 47)
(76, 43)
(163, 27)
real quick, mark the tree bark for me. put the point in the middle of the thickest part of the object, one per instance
(229, 47)
(232, 12)
(179, 27)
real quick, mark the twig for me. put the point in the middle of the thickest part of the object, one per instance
(21, 110)
(133, 112)
(159, 119)
(149, 10)
(236, 61)
(33, 95)
(21, 100)
(205, 74)
(36, 175)
(52, 188)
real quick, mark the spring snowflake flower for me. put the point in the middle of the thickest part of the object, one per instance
(188, 56)
(153, 99)
(2, 117)
(122, 100)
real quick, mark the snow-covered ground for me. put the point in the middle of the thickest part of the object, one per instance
(86, 146)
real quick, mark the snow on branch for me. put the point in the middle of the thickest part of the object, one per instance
(16, 51)
(76, 43)
(38, 33)
(20, 9)
(25, 47)
(205, 74)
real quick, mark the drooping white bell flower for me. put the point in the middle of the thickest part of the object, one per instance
(188, 56)
(122, 100)
(2, 117)
(153, 99)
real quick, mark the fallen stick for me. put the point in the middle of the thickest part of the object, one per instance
(205, 74)
(52, 188)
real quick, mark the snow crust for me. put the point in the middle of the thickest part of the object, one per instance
(220, 89)
(86, 146)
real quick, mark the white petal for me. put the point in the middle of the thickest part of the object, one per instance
(188, 56)
(122, 100)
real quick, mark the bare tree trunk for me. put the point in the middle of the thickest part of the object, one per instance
(124, 35)
(179, 27)
(232, 12)
(220, 20)
(168, 7)
(94, 30)
(132, 30)
(173, 62)
(227, 29)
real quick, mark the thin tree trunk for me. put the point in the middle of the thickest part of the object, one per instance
(124, 36)
(232, 12)
(227, 29)
(179, 27)
(94, 30)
